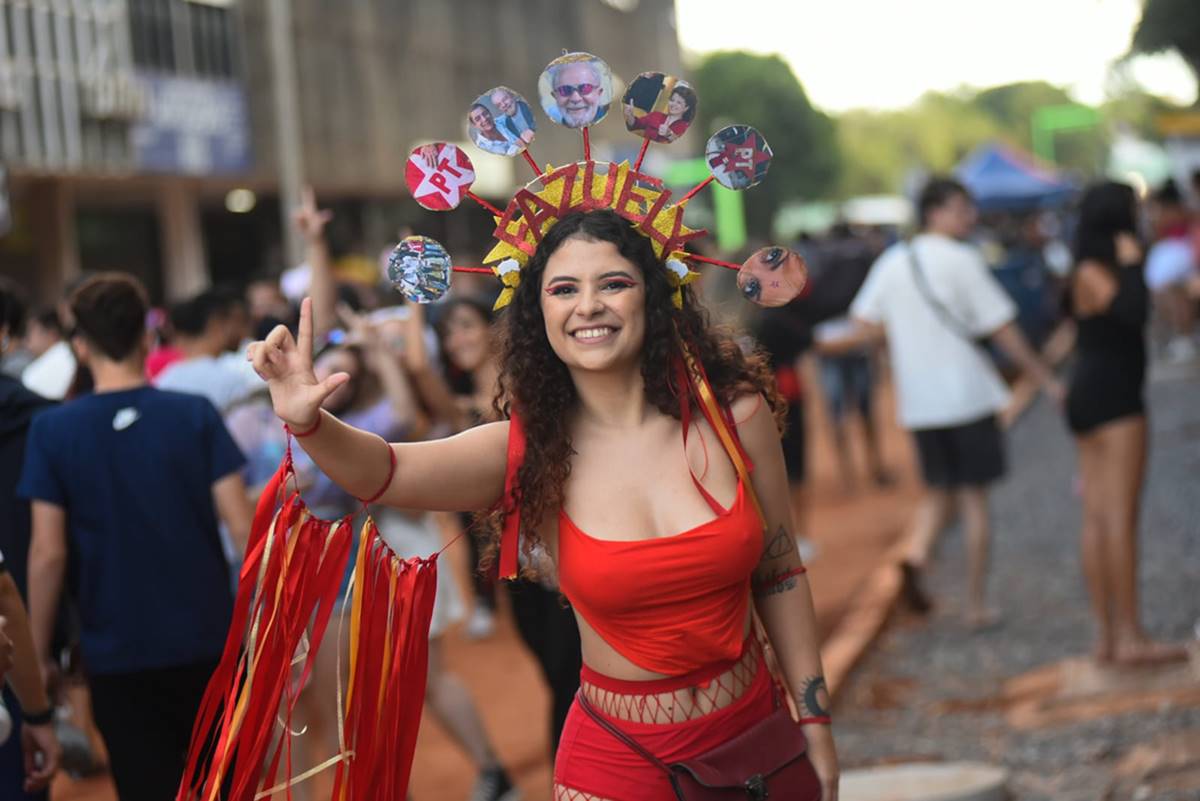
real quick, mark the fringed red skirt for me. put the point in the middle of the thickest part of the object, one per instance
(591, 762)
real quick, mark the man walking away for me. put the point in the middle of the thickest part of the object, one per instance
(130, 481)
(932, 299)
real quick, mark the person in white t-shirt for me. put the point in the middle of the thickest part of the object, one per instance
(932, 299)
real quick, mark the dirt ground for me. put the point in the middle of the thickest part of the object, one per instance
(852, 530)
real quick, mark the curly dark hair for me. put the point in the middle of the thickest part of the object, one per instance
(536, 382)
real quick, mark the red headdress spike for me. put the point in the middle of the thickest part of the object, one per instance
(495, 211)
(693, 257)
(533, 164)
(696, 189)
(637, 165)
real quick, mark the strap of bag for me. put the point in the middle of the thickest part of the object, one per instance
(960, 329)
(726, 433)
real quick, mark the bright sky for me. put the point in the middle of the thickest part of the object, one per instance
(887, 53)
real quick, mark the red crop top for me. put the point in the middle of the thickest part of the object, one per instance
(672, 604)
(669, 605)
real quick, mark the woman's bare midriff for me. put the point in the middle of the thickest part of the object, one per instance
(674, 706)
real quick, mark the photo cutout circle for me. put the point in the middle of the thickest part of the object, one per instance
(659, 107)
(738, 156)
(772, 276)
(576, 90)
(419, 268)
(439, 175)
(501, 122)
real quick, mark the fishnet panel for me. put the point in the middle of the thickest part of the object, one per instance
(563, 793)
(677, 706)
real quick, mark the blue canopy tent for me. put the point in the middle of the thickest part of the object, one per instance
(1002, 179)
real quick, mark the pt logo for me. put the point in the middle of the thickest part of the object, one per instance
(439, 175)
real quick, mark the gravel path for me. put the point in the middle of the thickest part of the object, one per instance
(888, 711)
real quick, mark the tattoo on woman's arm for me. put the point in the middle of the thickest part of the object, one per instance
(779, 546)
(814, 697)
(775, 582)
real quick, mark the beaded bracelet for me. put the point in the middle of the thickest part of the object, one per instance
(822, 719)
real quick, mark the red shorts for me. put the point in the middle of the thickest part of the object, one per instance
(592, 761)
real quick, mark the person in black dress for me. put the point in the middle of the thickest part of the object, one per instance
(1108, 299)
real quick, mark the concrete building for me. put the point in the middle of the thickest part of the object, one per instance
(126, 124)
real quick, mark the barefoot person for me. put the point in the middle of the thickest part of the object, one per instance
(660, 550)
(1108, 298)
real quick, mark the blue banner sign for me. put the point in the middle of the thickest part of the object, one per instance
(192, 126)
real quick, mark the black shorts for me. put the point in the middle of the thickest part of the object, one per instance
(969, 455)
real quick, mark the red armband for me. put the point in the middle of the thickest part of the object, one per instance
(775, 581)
(388, 481)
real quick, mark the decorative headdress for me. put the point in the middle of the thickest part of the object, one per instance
(576, 91)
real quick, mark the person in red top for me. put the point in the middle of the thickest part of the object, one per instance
(657, 495)
(667, 126)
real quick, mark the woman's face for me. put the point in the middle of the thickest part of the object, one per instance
(468, 340)
(339, 360)
(676, 106)
(773, 276)
(594, 305)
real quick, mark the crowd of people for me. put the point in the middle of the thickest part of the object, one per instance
(133, 442)
(169, 393)
(934, 309)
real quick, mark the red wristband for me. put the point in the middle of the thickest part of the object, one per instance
(822, 719)
(306, 432)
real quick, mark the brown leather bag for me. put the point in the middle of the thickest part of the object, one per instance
(768, 760)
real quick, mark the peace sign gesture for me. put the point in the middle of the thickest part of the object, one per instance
(286, 364)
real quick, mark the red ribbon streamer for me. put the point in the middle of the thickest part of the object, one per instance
(288, 588)
(510, 536)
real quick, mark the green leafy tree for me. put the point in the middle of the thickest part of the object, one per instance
(1137, 110)
(881, 147)
(1170, 25)
(934, 134)
(737, 87)
(1013, 106)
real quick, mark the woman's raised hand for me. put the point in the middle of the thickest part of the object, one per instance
(286, 364)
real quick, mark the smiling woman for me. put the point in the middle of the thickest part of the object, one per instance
(594, 271)
(628, 415)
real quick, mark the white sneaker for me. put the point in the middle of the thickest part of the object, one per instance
(481, 624)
